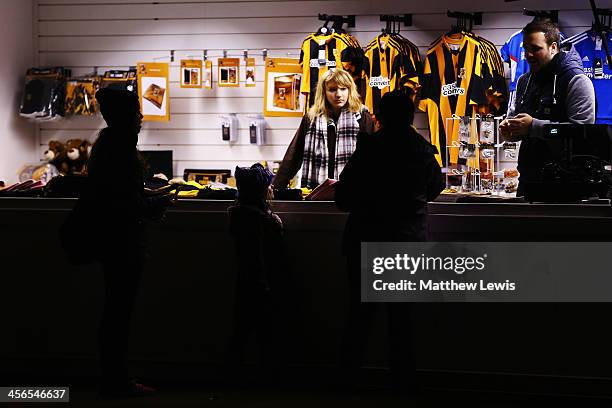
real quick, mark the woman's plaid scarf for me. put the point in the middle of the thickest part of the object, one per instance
(315, 161)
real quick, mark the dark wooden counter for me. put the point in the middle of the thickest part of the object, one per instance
(50, 309)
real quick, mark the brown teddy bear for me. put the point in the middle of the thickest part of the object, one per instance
(77, 152)
(56, 155)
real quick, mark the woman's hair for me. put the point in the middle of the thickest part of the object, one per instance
(321, 107)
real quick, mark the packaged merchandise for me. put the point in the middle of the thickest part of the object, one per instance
(487, 130)
(207, 75)
(44, 93)
(510, 150)
(153, 92)
(487, 151)
(122, 80)
(250, 73)
(229, 72)
(80, 96)
(38, 172)
(282, 82)
(191, 73)
(486, 182)
(511, 180)
(464, 129)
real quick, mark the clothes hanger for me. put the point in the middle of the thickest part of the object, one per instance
(323, 30)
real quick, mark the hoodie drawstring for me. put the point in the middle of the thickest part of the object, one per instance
(555, 90)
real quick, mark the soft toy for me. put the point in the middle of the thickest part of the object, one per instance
(77, 151)
(56, 155)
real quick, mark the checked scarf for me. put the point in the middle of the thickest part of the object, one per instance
(315, 161)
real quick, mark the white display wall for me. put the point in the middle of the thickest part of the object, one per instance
(83, 34)
(18, 144)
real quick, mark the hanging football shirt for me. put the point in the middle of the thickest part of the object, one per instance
(320, 53)
(391, 62)
(592, 52)
(452, 85)
(381, 68)
(513, 53)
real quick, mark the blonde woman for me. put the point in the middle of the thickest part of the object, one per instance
(327, 136)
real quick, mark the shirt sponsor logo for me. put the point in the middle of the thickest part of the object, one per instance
(452, 89)
(379, 82)
(314, 63)
(586, 59)
(598, 74)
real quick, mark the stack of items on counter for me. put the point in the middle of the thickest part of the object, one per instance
(463, 81)
(195, 184)
(329, 48)
(195, 190)
(391, 62)
(28, 188)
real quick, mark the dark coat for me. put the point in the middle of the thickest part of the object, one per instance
(385, 187)
(257, 234)
(542, 95)
(114, 200)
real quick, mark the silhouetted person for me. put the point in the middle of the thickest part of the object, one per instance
(257, 233)
(118, 208)
(399, 166)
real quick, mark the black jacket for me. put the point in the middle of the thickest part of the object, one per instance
(114, 199)
(385, 187)
(542, 94)
(257, 235)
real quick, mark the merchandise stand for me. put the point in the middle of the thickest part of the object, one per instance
(480, 150)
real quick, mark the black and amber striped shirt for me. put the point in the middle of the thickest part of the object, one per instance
(318, 54)
(453, 84)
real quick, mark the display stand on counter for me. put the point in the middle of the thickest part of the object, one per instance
(473, 160)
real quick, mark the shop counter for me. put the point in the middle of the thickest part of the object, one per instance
(184, 310)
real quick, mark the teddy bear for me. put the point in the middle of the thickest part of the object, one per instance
(77, 152)
(56, 155)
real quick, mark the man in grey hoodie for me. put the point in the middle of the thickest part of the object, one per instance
(556, 90)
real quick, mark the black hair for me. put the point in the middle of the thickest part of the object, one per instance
(396, 109)
(117, 107)
(550, 30)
